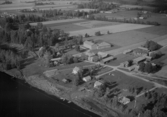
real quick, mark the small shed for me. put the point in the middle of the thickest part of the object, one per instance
(102, 54)
(76, 70)
(87, 78)
(108, 59)
(97, 84)
(124, 100)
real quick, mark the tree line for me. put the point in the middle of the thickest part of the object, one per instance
(100, 5)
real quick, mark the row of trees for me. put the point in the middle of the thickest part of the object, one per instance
(20, 19)
(125, 20)
(148, 67)
(155, 107)
(65, 13)
(100, 5)
(10, 57)
(152, 46)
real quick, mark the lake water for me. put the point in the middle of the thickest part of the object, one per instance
(18, 99)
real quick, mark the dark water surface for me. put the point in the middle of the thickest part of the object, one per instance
(18, 99)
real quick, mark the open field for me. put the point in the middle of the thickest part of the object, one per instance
(125, 38)
(77, 25)
(68, 27)
(155, 17)
(157, 30)
(111, 29)
(95, 23)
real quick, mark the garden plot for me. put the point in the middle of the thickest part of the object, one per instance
(93, 24)
(111, 29)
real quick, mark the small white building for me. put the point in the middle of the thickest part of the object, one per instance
(124, 100)
(87, 78)
(90, 45)
(108, 59)
(97, 84)
(76, 70)
(102, 54)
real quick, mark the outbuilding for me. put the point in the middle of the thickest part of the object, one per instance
(97, 84)
(102, 54)
(103, 44)
(87, 78)
(90, 45)
(124, 100)
(139, 59)
(76, 70)
(108, 59)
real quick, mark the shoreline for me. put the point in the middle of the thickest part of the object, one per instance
(38, 82)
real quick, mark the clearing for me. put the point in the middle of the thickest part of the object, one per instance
(111, 29)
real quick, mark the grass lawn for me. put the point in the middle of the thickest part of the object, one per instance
(125, 81)
(111, 28)
(122, 58)
(33, 66)
(96, 23)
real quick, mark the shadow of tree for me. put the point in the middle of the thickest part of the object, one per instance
(27, 62)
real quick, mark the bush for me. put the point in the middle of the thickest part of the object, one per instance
(97, 33)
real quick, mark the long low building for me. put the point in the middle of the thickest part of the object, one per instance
(92, 46)
(139, 59)
(108, 59)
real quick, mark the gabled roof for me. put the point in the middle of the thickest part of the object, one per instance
(87, 78)
(76, 68)
(97, 83)
(103, 44)
(108, 58)
(88, 43)
(139, 59)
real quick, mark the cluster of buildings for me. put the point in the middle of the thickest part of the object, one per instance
(86, 10)
(99, 56)
(5, 14)
(144, 55)
(88, 78)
